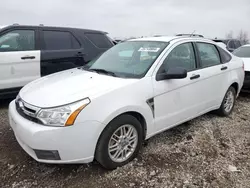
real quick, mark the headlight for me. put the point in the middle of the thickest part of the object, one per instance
(63, 115)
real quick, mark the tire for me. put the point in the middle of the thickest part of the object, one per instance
(222, 111)
(105, 156)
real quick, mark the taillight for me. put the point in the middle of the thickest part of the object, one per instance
(243, 66)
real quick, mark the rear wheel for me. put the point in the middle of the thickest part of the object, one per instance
(120, 142)
(228, 102)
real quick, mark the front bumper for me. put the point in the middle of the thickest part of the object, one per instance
(74, 144)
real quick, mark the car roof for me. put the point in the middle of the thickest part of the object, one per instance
(54, 27)
(3, 26)
(171, 38)
(220, 39)
(224, 39)
(160, 39)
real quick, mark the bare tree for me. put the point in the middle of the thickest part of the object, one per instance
(229, 35)
(243, 37)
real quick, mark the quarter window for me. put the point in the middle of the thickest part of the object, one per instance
(17, 40)
(100, 40)
(225, 57)
(59, 40)
(209, 55)
(181, 56)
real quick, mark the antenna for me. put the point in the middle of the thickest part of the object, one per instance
(192, 33)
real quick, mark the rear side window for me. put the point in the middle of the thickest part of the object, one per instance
(98, 39)
(209, 54)
(59, 40)
(225, 57)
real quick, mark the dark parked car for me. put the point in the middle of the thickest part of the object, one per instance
(30, 52)
(231, 44)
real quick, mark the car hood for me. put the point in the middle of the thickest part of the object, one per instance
(246, 64)
(69, 86)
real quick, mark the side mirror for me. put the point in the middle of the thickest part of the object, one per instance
(172, 73)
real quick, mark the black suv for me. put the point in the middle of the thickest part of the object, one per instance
(30, 52)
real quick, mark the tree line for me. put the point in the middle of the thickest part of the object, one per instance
(242, 36)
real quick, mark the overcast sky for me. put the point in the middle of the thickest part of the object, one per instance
(124, 18)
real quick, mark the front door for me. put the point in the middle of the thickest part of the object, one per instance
(19, 59)
(177, 100)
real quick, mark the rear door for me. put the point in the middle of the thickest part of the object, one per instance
(215, 73)
(19, 58)
(61, 50)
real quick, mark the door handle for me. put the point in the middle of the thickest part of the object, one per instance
(28, 57)
(196, 76)
(80, 54)
(224, 68)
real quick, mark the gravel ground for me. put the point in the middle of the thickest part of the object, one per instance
(209, 151)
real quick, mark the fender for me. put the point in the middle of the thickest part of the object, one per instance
(236, 77)
(145, 111)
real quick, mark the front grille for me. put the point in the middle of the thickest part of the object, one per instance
(22, 109)
(29, 110)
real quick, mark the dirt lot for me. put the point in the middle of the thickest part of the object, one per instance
(207, 152)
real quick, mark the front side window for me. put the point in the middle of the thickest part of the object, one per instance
(130, 59)
(17, 40)
(242, 52)
(181, 56)
(59, 40)
(209, 54)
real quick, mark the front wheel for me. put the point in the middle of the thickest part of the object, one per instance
(228, 102)
(120, 142)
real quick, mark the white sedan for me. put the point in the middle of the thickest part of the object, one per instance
(135, 90)
(244, 53)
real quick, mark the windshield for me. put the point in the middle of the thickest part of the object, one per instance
(242, 52)
(130, 59)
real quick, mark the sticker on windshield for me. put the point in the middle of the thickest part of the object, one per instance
(150, 49)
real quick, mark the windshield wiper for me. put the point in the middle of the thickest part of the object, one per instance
(103, 71)
(83, 68)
